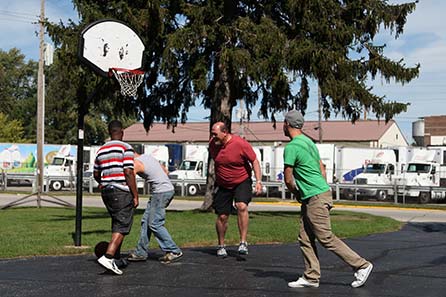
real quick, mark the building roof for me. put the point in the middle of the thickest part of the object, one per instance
(333, 131)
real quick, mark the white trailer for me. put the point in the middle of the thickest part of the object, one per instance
(265, 155)
(159, 152)
(326, 152)
(351, 161)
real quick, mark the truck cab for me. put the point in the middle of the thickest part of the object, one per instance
(191, 170)
(375, 173)
(61, 172)
(424, 177)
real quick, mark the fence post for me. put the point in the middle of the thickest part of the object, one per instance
(182, 188)
(338, 194)
(283, 190)
(395, 192)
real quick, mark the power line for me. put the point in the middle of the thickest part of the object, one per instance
(19, 20)
(3, 11)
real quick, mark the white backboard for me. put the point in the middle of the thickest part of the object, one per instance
(109, 44)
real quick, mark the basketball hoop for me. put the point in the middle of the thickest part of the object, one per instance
(129, 80)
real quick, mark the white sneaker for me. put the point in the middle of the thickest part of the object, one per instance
(109, 264)
(361, 276)
(221, 251)
(243, 248)
(303, 283)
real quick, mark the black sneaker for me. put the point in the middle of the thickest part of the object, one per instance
(121, 263)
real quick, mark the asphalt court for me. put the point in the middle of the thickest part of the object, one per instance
(410, 262)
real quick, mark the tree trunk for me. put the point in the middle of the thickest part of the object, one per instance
(221, 111)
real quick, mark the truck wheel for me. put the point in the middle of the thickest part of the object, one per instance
(192, 190)
(381, 195)
(424, 197)
(56, 185)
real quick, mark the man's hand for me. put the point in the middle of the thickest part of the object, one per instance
(135, 202)
(259, 188)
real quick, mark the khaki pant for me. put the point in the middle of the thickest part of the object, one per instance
(315, 224)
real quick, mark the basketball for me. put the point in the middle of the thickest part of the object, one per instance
(100, 248)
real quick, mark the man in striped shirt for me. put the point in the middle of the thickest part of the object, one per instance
(113, 170)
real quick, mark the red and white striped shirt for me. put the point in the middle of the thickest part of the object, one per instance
(111, 160)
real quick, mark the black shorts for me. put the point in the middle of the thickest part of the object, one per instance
(224, 198)
(119, 204)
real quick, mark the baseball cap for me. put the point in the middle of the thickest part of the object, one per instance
(295, 119)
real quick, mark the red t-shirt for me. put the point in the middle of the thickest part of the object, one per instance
(232, 161)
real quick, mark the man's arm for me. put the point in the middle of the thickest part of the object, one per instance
(131, 182)
(164, 167)
(289, 180)
(97, 177)
(258, 175)
(323, 171)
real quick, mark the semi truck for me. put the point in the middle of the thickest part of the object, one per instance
(61, 172)
(379, 170)
(425, 176)
(19, 162)
(192, 169)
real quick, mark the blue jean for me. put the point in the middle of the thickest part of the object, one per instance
(153, 222)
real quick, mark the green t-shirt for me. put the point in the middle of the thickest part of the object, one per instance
(302, 154)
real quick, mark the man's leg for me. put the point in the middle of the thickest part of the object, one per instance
(157, 220)
(319, 214)
(242, 220)
(142, 247)
(307, 244)
(115, 243)
(242, 195)
(107, 260)
(221, 226)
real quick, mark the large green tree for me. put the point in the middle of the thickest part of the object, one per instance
(257, 50)
(18, 90)
(217, 52)
(11, 130)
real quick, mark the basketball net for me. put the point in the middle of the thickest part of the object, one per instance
(129, 80)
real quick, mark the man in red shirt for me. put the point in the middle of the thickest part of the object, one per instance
(234, 161)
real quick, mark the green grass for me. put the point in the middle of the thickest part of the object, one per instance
(50, 231)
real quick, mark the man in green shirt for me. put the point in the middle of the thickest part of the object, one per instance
(305, 178)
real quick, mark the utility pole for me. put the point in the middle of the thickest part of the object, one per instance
(40, 105)
(319, 102)
(241, 115)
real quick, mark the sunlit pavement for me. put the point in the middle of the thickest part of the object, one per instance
(410, 262)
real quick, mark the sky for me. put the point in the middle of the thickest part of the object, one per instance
(423, 42)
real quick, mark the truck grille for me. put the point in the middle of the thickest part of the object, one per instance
(361, 181)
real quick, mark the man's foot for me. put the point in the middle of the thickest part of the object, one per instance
(109, 264)
(243, 248)
(136, 258)
(170, 257)
(361, 276)
(302, 282)
(121, 263)
(221, 251)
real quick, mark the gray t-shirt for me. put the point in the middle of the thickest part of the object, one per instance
(155, 175)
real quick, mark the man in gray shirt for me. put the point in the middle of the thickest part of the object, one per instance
(162, 192)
